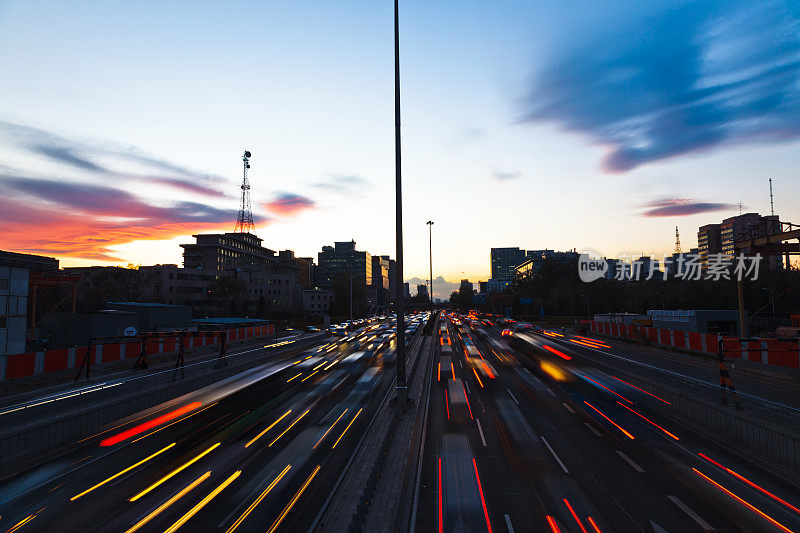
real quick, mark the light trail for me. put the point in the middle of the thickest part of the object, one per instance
(645, 418)
(614, 423)
(291, 503)
(141, 428)
(644, 391)
(118, 474)
(345, 429)
(483, 501)
(202, 503)
(559, 353)
(284, 415)
(575, 515)
(188, 488)
(175, 472)
(290, 427)
(258, 500)
(745, 503)
(754, 485)
(606, 388)
(330, 428)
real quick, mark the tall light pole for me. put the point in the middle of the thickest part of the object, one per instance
(402, 389)
(430, 256)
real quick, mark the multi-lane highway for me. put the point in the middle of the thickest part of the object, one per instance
(528, 431)
(526, 434)
(256, 451)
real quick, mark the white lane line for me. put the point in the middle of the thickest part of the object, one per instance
(508, 524)
(630, 461)
(551, 392)
(515, 400)
(568, 408)
(466, 385)
(683, 507)
(592, 429)
(480, 430)
(564, 468)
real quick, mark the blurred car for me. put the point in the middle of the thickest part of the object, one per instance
(506, 333)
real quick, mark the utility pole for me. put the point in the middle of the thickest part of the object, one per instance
(351, 296)
(402, 389)
(430, 256)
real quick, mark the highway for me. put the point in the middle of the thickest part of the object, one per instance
(552, 443)
(257, 451)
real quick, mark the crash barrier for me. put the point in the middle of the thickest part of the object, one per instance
(29, 431)
(776, 352)
(33, 363)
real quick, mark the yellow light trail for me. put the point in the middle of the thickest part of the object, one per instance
(295, 377)
(25, 520)
(258, 500)
(345, 429)
(308, 376)
(268, 428)
(323, 363)
(477, 376)
(169, 502)
(175, 472)
(291, 503)
(202, 503)
(118, 474)
(290, 427)
(330, 428)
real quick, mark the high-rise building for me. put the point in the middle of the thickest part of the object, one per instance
(505, 261)
(422, 291)
(343, 259)
(392, 273)
(709, 240)
(746, 225)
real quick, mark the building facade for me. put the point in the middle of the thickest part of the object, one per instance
(505, 261)
(343, 259)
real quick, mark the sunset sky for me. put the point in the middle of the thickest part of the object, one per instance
(571, 124)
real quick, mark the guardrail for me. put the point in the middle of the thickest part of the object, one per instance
(52, 429)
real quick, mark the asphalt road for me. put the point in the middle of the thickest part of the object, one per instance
(557, 445)
(258, 451)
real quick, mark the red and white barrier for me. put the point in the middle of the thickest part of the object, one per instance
(775, 352)
(33, 363)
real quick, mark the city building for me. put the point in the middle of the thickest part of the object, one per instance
(504, 261)
(15, 272)
(747, 225)
(392, 273)
(317, 302)
(709, 240)
(496, 285)
(406, 292)
(422, 291)
(342, 259)
(537, 258)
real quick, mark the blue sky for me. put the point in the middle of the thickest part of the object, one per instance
(532, 124)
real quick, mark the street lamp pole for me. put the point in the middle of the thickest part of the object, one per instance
(430, 256)
(402, 389)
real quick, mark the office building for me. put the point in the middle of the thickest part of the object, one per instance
(343, 260)
(422, 291)
(709, 240)
(504, 261)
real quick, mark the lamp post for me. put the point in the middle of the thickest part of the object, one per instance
(402, 389)
(430, 256)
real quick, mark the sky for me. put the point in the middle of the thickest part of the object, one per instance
(572, 124)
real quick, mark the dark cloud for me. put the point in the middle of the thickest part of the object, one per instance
(502, 175)
(289, 204)
(344, 184)
(676, 207)
(83, 156)
(681, 78)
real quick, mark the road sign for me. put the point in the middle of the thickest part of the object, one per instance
(130, 331)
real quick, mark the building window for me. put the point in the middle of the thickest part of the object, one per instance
(4, 284)
(3, 321)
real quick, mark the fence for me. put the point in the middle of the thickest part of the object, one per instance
(33, 363)
(776, 352)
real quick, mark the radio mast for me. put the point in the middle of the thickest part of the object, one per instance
(244, 223)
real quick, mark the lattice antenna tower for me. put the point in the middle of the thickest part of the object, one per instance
(677, 241)
(244, 223)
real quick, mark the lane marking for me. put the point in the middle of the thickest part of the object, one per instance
(630, 461)
(568, 408)
(564, 468)
(592, 429)
(683, 507)
(508, 524)
(512, 397)
(480, 430)
(466, 385)
(551, 392)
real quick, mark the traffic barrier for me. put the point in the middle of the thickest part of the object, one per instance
(775, 352)
(33, 363)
